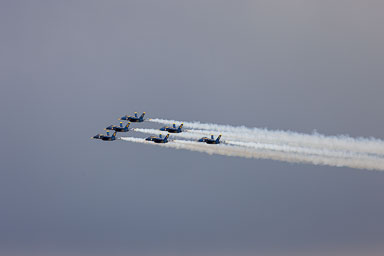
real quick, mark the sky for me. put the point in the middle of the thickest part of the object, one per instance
(68, 69)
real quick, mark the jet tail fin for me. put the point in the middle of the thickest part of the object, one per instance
(218, 138)
(166, 137)
(114, 135)
(181, 126)
(142, 115)
(128, 124)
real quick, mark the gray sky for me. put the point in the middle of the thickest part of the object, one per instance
(70, 68)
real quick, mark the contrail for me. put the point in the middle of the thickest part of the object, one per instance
(342, 142)
(262, 151)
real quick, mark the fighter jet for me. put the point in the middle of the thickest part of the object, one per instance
(105, 137)
(120, 128)
(172, 129)
(159, 139)
(211, 140)
(135, 119)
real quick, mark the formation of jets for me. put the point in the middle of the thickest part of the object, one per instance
(160, 139)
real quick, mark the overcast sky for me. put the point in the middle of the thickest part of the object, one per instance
(68, 69)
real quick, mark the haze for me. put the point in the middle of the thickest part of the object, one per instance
(68, 69)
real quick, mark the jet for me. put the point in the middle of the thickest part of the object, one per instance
(135, 119)
(120, 128)
(159, 139)
(172, 129)
(211, 140)
(105, 137)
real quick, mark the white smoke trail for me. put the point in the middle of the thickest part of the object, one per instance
(309, 151)
(362, 145)
(181, 135)
(249, 143)
(265, 152)
(270, 146)
(353, 148)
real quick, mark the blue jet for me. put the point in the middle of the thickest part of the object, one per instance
(105, 137)
(120, 128)
(211, 140)
(134, 119)
(172, 129)
(159, 139)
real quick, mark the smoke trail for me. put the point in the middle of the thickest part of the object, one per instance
(276, 147)
(321, 145)
(181, 135)
(309, 151)
(249, 143)
(362, 145)
(265, 152)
